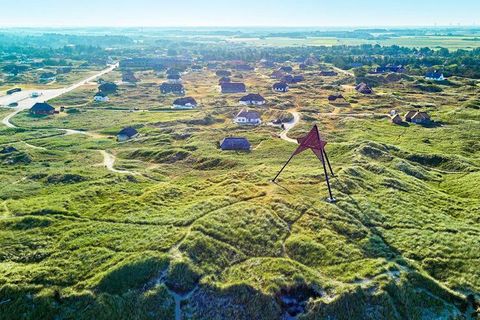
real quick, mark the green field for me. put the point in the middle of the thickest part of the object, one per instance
(195, 231)
(452, 43)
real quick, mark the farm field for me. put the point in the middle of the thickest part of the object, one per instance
(452, 43)
(166, 225)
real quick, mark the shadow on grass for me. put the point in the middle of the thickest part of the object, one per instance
(281, 186)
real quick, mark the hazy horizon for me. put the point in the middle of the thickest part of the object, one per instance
(249, 13)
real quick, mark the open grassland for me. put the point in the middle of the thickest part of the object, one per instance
(449, 42)
(30, 79)
(205, 233)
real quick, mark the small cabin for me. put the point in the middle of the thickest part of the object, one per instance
(174, 78)
(127, 134)
(364, 88)
(435, 76)
(175, 88)
(267, 64)
(235, 144)
(337, 99)
(409, 115)
(129, 77)
(185, 103)
(287, 69)
(252, 99)
(224, 80)
(47, 77)
(244, 67)
(396, 119)
(310, 61)
(278, 74)
(64, 70)
(101, 97)
(288, 78)
(248, 117)
(223, 73)
(280, 87)
(196, 68)
(421, 118)
(328, 73)
(173, 71)
(42, 108)
(298, 78)
(233, 87)
(7, 150)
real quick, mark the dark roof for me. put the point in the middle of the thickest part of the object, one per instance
(280, 85)
(8, 149)
(421, 115)
(277, 74)
(410, 114)
(100, 94)
(286, 68)
(244, 67)
(231, 87)
(288, 78)
(328, 73)
(434, 75)
(334, 97)
(248, 114)
(171, 87)
(185, 101)
(252, 97)
(173, 77)
(41, 107)
(310, 61)
(224, 79)
(128, 131)
(389, 68)
(223, 73)
(364, 88)
(396, 118)
(298, 78)
(173, 71)
(235, 143)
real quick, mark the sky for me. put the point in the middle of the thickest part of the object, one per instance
(286, 13)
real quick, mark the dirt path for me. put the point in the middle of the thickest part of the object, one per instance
(345, 72)
(289, 126)
(109, 161)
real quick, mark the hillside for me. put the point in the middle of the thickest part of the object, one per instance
(175, 228)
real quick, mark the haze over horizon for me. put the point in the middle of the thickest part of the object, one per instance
(216, 13)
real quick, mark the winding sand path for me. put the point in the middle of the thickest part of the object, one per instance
(289, 126)
(109, 161)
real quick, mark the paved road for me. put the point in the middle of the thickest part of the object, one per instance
(25, 101)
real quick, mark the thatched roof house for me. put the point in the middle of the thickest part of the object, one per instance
(235, 143)
(364, 88)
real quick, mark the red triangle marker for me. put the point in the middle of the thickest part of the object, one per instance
(314, 142)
